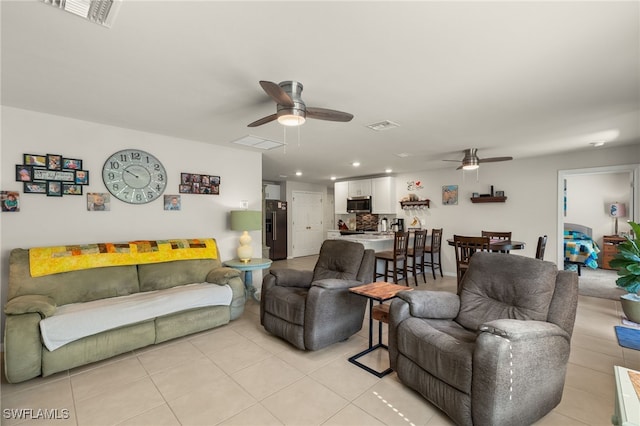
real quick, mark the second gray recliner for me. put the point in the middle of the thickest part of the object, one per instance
(314, 309)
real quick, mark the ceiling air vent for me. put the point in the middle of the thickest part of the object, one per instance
(383, 125)
(101, 12)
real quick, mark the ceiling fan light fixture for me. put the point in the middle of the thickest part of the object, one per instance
(291, 117)
(470, 166)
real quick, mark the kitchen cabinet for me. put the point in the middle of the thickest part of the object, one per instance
(610, 249)
(359, 188)
(383, 195)
(271, 192)
(341, 193)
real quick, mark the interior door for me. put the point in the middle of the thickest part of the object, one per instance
(307, 211)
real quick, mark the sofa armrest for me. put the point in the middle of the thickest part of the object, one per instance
(519, 330)
(222, 275)
(292, 277)
(431, 304)
(334, 283)
(31, 303)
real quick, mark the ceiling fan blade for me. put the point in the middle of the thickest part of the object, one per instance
(494, 159)
(263, 120)
(276, 93)
(456, 161)
(328, 114)
(459, 167)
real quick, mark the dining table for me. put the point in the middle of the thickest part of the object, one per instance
(496, 244)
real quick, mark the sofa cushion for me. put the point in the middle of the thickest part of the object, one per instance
(505, 286)
(440, 347)
(159, 276)
(339, 259)
(70, 287)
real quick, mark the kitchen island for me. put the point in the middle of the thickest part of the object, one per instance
(376, 241)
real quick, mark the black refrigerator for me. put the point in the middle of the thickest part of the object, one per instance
(276, 228)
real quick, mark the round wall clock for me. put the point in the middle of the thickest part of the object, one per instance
(134, 176)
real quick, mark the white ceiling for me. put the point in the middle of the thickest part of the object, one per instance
(514, 79)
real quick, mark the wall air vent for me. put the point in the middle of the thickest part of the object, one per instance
(383, 125)
(101, 12)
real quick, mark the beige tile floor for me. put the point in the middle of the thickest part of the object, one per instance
(240, 375)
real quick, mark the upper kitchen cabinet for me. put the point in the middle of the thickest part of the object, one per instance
(383, 195)
(359, 188)
(341, 193)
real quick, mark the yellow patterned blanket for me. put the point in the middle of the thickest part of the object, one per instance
(53, 260)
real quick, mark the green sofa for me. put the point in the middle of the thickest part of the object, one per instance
(29, 300)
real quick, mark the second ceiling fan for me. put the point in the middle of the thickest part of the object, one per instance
(291, 110)
(471, 161)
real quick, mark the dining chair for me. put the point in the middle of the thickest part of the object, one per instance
(465, 248)
(433, 250)
(542, 244)
(493, 235)
(416, 253)
(396, 257)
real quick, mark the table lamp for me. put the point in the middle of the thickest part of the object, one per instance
(617, 210)
(245, 220)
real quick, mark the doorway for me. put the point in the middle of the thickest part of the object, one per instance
(632, 172)
(308, 212)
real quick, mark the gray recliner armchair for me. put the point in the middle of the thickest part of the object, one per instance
(496, 354)
(314, 309)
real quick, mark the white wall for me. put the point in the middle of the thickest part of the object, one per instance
(531, 209)
(46, 220)
(589, 195)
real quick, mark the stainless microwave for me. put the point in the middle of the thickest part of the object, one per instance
(359, 204)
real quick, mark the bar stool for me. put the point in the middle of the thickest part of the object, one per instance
(397, 255)
(493, 235)
(416, 253)
(465, 248)
(542, 244)
(432, 250)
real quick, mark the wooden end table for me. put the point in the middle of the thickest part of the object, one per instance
(380, 291)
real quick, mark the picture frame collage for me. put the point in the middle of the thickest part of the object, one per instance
(192, 183)
(52, 175)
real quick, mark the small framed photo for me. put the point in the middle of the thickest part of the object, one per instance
(24, 173)
(98, 202)
(10, 201)
(35, 160)
(450, 195)
(54, 188)
(71, 189)
(499, 193)
(54, 162)
(82, 177)
(71, 164)
(172, 202)
(475, 195)
(36, 187)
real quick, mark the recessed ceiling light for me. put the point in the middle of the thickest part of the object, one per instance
(596, 144)
(283, 176)
(298, 173)
(333, 178)
(403, 154)
(355, 164)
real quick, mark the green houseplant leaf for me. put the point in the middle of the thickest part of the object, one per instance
(627, 262)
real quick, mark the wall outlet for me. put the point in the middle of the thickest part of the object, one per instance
(244, 204)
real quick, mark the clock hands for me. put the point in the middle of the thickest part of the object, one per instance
(131, 173)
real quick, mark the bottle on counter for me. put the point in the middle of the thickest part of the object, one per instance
(384, 224)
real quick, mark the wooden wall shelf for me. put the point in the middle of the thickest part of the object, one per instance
(488, 199)
(406, 205)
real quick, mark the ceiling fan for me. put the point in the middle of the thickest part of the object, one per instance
(291, 109)
(471, 161)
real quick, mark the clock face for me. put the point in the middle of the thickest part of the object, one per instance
(134, 176)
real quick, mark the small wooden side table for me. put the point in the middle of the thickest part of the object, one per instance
(248, 268)
(610, 249)
(380, 291)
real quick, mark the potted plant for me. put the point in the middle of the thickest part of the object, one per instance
(627, 262)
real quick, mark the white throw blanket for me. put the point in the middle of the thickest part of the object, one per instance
(77, 320)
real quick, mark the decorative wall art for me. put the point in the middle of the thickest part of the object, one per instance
(172, 202)
(98, 201)
(450, 195)
(191, 183)
(414, 185)
(51, 174)
(10, 201)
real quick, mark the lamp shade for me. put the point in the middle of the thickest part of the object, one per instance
(246, 220)
(617, 210)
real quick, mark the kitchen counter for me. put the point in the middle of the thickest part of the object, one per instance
(378, 241)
